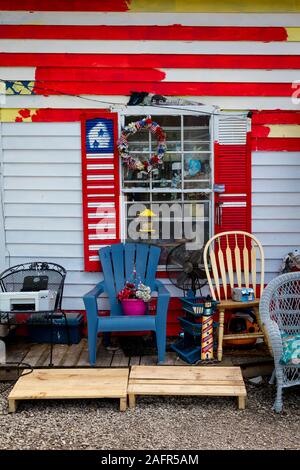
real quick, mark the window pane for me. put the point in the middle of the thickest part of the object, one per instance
(197, 172)
(196, 133)
(169, 175)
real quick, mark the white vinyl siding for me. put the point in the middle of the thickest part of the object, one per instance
(276, 205)
(43, 202)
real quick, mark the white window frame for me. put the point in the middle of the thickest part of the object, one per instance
(169, 111)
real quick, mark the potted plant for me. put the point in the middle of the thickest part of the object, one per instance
(134, 298)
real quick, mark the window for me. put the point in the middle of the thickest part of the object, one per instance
(173, 203)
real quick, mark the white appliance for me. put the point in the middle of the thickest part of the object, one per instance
(42, 300)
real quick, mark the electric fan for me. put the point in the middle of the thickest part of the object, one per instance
(185, 268)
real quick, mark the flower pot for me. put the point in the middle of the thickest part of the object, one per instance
(133, 307)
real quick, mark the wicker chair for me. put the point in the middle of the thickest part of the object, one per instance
(280, 313)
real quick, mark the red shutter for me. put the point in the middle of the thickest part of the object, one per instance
(233, 169)
(100, 185)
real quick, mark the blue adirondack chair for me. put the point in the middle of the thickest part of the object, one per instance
(118, 263)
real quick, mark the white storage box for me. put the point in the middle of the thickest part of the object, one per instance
(42, 300)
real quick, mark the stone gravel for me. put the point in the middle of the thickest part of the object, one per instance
(168, 423)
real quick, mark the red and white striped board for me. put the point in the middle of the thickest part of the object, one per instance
(100, 185)
(233, 169)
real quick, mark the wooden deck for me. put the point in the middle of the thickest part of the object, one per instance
(76, 355)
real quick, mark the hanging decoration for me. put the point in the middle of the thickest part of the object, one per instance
(134, 163)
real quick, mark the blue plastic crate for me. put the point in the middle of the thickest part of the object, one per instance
(193, 329)
(190, 354)
(40, 328)
(199, 306)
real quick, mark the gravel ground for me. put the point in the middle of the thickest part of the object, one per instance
(156, 423)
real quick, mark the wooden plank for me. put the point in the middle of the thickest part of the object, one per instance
(36, 354)
(58, 353)
(187, 372)
(71, 383)
(83, 360)
(243, 336)
(16, 351)
(134, 360)
(170, 359)
(119, 360)
(148, 360)
(206, 390)
(84, 356)
(180, 381)
(231, 304)
(72, 355)
(104, 357)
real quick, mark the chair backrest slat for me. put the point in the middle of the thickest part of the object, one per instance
(246, 263)
(237, 259)
(229, 263)
(118, 263)
(222, 269)
(154, 254)
(215, 271)
(241, 253)
(142, 253)
(129, 250)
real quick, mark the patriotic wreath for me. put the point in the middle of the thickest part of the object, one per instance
(134, 163)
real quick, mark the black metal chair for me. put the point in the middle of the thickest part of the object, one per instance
(32, 277)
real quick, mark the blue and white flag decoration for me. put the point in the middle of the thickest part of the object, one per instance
(99, 136)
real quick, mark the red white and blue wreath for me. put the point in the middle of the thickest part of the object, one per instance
(134, 163)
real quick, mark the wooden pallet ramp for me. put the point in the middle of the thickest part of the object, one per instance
(186, 380)
(70, 383)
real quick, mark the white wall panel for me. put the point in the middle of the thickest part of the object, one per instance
(148, 18)
(41, 128)
(276, 205)
(43, 182)
(25, 223)
(38, 142)
(43, 215)
(53, 156)
(43, 210)
(45, 197)
(85, 46)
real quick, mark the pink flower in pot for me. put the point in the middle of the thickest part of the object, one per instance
(134, 299)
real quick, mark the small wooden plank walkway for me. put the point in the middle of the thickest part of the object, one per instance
(58, 384)
(191, 381)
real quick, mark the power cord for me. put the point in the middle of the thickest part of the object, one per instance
(20, 373)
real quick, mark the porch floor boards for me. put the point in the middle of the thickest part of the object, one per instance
(76, 355)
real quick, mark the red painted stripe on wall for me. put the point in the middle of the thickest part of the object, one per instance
(276, 144)
(260, 130)
(99, 74)
(165, 88)
(60, 115)
(276, 117)
(136, 33)
(151, 60)
(65, 5)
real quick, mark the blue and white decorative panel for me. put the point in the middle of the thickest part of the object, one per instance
(99, 135)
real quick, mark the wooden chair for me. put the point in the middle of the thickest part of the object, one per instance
(230, 259)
